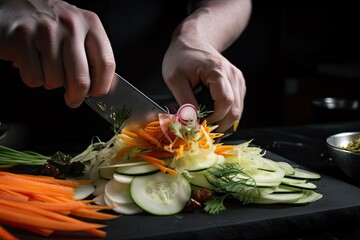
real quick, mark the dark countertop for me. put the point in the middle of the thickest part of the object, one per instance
(335, 216)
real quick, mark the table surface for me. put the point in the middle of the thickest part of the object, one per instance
(335, 216)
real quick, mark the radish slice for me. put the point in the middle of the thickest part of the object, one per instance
(187, 113)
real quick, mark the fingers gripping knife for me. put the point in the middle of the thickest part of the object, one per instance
(123, 94)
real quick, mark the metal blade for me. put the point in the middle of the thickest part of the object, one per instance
(124, 94)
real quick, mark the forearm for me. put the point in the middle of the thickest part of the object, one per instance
(217, 22)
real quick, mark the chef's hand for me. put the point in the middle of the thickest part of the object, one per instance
(189, 62)
(55, 44)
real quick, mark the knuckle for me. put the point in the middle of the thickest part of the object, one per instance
(108, 64)
(81, 83)
(228, 100)
(216, 67)
(91, 17)
(22, 30)
(52, 85)
(234, 114)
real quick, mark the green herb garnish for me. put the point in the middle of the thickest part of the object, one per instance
(119, 117)
(202, 112)
(229, 180)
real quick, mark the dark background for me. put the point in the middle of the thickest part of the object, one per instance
(289, 57)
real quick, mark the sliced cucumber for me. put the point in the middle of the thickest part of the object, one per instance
(106, 173)
(299, 183)
(274, 198)
(267, 165)
(289, 170)
(304, 174)
(286, 189)
(161, 194)
(199, 179)
(126, 209)
(203, 162)
(121, 178)
(83, 191)
(264, 178)
(100, 187)
(99, 199)
(309, 197)
(144, 169)
(94, 175)
(118, 193)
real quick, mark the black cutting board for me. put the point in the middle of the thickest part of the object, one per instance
(340, 205)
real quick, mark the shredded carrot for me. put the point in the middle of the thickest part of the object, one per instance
(223, 150)
(149, 137)
(5, 234)
(43, 179)
(44, 205)
(130, 134)
(122, 152)
(151, 159)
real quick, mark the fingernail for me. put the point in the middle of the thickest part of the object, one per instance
(236, 125)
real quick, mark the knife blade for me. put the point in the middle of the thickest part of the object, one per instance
(123, 94)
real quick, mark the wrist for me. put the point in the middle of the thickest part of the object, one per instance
(191, 30)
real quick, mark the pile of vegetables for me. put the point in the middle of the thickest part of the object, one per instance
(173, 164)
(44, 204)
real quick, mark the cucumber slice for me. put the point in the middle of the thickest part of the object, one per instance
(299, 183)
(304, 174)
(289, 170)
(264, 178)
(100, 187)
(199, 179)
(203, 162)
(309, 197)
(267, 164)
(144, 169)
(126, 209)
(286, 189)
(83, 191)
(106, 173)
(160, 194)
(94, 175)
(274, 198)
(121, 178)
(118, 193)
(99, 199)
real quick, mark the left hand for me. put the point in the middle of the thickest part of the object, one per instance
(189, 62)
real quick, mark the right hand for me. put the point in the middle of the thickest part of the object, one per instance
(55, 44)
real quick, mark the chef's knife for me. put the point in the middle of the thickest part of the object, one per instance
(123, 94)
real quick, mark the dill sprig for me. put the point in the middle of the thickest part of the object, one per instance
(215, 204)
(186, 133)
(119, 117)
(202, 112)
(229, 180)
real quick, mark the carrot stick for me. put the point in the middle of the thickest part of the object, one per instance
(6, 193)
(130, 134)
(151, 159)
(27, 184)
(122, 152)
(16, 215)
(6, 235)
(150, 138)
(43, 205)
(44, 179)
(87, 213)
(166, 169)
